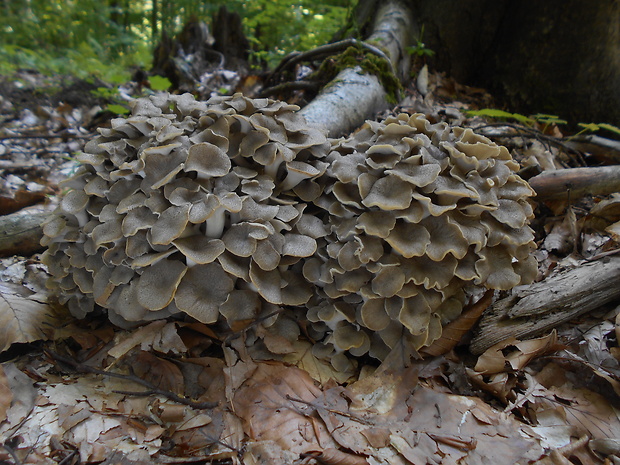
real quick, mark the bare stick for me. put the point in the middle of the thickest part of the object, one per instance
(21, 232)
(574, 183)
(151, 389)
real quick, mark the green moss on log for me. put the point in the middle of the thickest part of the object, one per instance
(369, 62)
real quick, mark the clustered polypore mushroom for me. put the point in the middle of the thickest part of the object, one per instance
(189, 207)
(418, 213)
(235, 210)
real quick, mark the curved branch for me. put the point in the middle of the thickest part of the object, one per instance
(354, 95)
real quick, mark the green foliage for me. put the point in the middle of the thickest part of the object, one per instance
(544, 119)
(495, 113)
(118, 109)
(118, 105)
(420, 49)
(549, 119)
(593, 127)
(159, 83)
(93, 37)
(278, 27)
(609, 127)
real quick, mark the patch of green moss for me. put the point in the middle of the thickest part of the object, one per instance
(369, 62)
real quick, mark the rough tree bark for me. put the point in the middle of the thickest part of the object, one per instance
(556, 56)
(541, 306)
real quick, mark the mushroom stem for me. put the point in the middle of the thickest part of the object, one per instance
(271, 170)
(292, 179)
(215, 223)
(81, 217)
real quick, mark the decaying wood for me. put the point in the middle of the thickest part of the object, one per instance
(574, 183)
(354, 95)
(601, 148)
(534, 309)
(20, 232)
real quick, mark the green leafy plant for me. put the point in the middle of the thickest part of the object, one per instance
(159, 83)
(420, 49)
(593, 127)
(544, 119)
(118, 109)
(119, 105)
(495, 113)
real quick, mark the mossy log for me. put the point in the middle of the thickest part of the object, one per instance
(355, 94)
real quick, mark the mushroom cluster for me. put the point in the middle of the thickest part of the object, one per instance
(193, 207)
(418, 213)
(235, 210)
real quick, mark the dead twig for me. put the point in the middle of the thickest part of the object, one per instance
(288, 87)
(151, 389)
(325, 50)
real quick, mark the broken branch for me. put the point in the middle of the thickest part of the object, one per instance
(574, 183)
(541, 306)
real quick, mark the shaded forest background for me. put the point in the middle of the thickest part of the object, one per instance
(104, 39)
(557, 57)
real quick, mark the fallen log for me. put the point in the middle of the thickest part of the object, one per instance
(573, 183)
(21, 232)
(539, 307)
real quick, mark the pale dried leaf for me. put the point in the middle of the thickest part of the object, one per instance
(614, 230)
(275, 404)
(21, 405)
(494, 360)
(320, 370)
(267, 453)
(563, 235)
(25, 318)
(586, 411)
(424, 426)
(6, 395)
(159, 335)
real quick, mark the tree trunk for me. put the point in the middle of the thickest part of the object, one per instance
(559, 57)
(356, 95)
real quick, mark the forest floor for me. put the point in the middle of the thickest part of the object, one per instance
(83, 391)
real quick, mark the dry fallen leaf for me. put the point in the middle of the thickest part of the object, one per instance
(25, 316)
(159, 335)
(519, 354)
(22, 404)
(583, 409)
(275, 405)
(454, 331)
(6, 395)
(390, 418)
